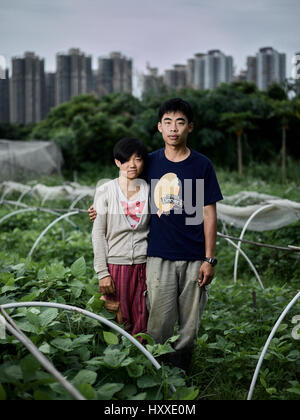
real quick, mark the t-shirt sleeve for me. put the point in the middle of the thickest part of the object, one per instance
(212, 191)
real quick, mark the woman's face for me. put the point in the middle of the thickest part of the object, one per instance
(131, 169)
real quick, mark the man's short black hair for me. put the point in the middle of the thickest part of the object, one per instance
(175, 105)
(127, 146)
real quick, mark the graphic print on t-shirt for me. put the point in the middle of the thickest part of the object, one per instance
(166, 193)
(133, 211)
(133, 208)
(179, 234)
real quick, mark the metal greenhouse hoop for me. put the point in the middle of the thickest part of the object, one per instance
(39, 356)
(14, 213)
(16, 204)
(266, 346)
(5, 192)
(93, 316)
(242, 235)
(90, 315)
(77, 199)
(49, 227)
(45, 198)
(22, 195)
(249, 262)
(27, 209)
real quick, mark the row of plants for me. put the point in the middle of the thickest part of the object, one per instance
(102, 364)
(97, 361)
(234, 329)
(240, 317)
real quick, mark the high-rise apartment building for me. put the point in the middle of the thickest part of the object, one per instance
(50, 91)
(199, 73)
(190, 72)
(63, 79)
(271, 67)
(73, 75)
(211, 69)
(114, 74)
(4, 97)
(27, 89)
(105, 73)
(240, 77)
(218, 68)
(176, 78)
(251, 69)
(204, 71)
(152, 82)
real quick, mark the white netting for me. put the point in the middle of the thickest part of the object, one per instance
(69, 191)
(281, 212)
(27, 159)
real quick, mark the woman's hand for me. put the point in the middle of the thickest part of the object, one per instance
(107, 286)
(92, 213)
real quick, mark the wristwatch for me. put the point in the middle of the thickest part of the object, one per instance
(211, 261)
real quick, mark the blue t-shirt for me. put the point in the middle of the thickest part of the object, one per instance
(176, 227)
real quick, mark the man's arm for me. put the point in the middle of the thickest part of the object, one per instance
(206, 273)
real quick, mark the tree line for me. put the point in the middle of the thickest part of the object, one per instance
(234, 125)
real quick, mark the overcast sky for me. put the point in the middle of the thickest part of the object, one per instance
(161, 32)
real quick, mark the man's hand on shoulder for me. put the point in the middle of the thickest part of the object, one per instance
(92, 213)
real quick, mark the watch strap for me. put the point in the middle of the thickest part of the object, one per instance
(212, 261)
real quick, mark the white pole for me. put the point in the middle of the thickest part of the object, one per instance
(242, 235)
(15, 212)
(263, 353)
(48, 228)
(38, 355)
(249, 262)
(88, 314)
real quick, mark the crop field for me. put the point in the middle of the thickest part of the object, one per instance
(101, 363)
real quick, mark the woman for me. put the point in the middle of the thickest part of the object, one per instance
(120, 234)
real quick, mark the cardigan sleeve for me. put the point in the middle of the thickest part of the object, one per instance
(99, 240)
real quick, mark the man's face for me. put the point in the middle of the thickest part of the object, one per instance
(175, 128)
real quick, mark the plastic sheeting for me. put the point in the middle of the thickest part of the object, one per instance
(21, 160)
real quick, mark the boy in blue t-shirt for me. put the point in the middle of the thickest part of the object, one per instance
(183, 230)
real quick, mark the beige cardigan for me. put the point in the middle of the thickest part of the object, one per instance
(114, 240)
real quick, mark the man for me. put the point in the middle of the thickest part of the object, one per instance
(183, 230)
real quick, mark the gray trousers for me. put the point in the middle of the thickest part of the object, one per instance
(173, 294)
